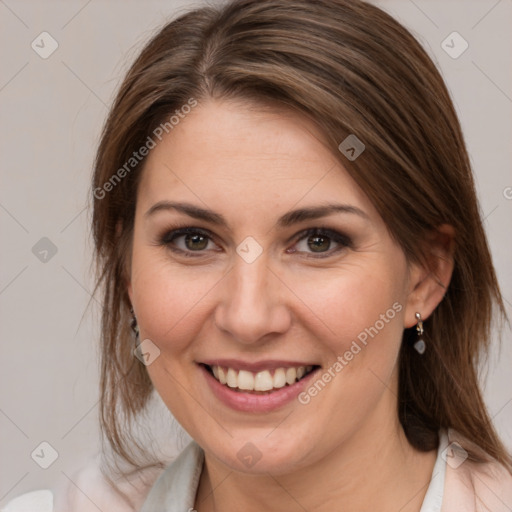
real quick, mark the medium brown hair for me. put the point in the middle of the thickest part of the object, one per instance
(352, 69)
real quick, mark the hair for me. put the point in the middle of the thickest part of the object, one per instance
(352, 69)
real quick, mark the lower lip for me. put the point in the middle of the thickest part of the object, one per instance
(248, 402)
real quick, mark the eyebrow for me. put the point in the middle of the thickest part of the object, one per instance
(288, 219)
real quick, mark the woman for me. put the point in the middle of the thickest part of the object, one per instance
(285, 217)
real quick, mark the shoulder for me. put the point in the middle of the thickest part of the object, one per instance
(36, 501)
(87, 490)
(474, 486)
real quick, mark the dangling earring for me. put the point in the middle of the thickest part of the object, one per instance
(420, 344)
(134, 326)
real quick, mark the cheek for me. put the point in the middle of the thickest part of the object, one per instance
(358, 309)
(361, 313)
(169, 300)
(171, 305)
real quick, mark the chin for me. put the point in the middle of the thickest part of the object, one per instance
(262, 453)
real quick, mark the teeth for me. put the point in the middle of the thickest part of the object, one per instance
(279, 378)
(232, 378)
(245, 380)
(291, 375)
(222, 375)
(261, 381)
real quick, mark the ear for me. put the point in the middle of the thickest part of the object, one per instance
(428, 282)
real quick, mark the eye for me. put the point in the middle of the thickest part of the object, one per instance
(323, 242)
(196, 242)
(188, 240)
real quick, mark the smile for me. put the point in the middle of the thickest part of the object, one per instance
(265, 381)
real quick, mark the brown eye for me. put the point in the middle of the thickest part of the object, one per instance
(196, 242)
(318, 243)
(187, 241)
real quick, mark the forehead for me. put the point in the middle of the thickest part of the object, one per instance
(225, 151)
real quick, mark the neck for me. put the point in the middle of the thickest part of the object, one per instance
(376, 469)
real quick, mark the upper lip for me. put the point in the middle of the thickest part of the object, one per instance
(257, 366)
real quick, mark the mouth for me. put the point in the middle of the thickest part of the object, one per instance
(262, 382)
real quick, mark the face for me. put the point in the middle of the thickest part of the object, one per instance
(255, 254)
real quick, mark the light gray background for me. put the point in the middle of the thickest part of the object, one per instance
(52, 111)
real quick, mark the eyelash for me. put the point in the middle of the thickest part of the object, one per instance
(170, 236)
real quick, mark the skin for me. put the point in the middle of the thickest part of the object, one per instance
(346, 446)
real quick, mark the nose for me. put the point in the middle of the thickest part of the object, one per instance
(253, 303)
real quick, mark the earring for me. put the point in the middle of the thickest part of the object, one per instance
(134, 326)
(420, 343)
